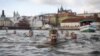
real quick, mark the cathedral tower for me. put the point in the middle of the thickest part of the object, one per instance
(3, 14)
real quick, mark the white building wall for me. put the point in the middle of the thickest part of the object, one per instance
(5, 23)
(70, 24)
(37, 22)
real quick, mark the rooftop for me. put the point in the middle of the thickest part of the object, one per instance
(79, 18)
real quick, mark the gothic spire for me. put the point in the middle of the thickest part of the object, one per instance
(61, 8)
(14, 14)
(58, 9)
(3, 14)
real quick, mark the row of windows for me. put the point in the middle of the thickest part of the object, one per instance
(72, 26)
(5, 23)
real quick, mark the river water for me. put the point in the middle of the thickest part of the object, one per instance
(28, 48)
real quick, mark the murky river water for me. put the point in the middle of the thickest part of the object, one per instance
(33, 49)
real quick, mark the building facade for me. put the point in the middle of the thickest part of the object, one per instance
(4, 21)
(74, 23)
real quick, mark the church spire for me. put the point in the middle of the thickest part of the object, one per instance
(3, 14)
(61, 9)
(14, 14)
(58, 9)
(18, 14)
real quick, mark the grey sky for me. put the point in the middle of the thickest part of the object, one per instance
(35, 7)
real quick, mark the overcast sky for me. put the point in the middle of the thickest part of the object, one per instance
(35, 7)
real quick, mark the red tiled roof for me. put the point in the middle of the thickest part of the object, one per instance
(79, 18)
